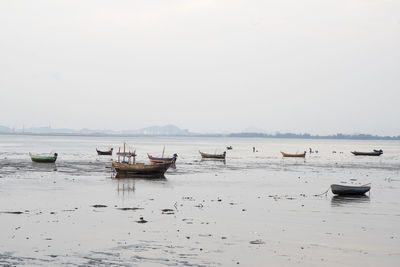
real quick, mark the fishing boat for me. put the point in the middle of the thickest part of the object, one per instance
(287, 155)
(128, 167)
(140, 169)
(373, 153)
(44, 159)
(229, 147)
(163, 160)
(103, 153)
(347, 190)
(213, 156)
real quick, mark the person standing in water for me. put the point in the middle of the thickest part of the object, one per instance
(254, 149)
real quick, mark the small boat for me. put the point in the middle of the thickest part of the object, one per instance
(44, 159)
(229, 147)
(163, 160)
(140, 169)
(287, 155)
(378, 151)
(346, 190)
(109, 152)
(213, 156)
(373, 153)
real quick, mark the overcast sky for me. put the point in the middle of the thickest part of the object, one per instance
(208, 66)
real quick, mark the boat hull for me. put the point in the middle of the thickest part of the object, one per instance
(287, 155)
(345, 190)
(104, 153)
(140, 169)
(375, 153)
(43, 159)
(212, 156)
(161, 160)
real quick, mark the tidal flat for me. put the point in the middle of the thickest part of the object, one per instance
(254, 209)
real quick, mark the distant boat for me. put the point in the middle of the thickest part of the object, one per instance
(373, 153)
(109, 152)
(338, 189)
(44, 159)
(229, 147)
(287, 155)
(163, 160)
(213, 156)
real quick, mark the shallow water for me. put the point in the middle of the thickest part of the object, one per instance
(254, 209)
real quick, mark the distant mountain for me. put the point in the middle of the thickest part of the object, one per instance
(159, 130)
(153, 130)
(4, 129)
(253, 129)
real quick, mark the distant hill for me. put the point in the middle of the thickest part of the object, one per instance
(153, 131)
(4, 129)
(159, 130)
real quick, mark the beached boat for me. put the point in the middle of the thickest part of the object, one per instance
(213, 156)
(347, 190)
(163, 160)
(373, 153)
(287, 155)
(108, 152)
(44, 159)
(127, 166)
(142, 169)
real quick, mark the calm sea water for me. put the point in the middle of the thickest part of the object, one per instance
(254, 209)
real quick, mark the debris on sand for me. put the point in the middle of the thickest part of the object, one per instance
(257, 242)
(11, 212)
(99, 206)
(130, 208)
(168, 211)
(141, 220)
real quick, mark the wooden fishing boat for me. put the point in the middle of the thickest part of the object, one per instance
(287, 155)
(103, 153)
(141, 169)
(347, 190)
(44, 159)
(129, 168)
(213, 156)
(163, 160)
(373, 153)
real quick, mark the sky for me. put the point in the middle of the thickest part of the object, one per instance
(320, 67)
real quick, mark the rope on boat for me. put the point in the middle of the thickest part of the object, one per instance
(324, 193)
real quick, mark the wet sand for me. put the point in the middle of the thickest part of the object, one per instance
(256, 211)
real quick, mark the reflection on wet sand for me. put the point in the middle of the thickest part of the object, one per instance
(217, 161)
(337, 201)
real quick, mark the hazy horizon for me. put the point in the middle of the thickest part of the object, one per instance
(206, 66)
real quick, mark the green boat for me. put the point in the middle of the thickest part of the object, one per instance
(46, 159)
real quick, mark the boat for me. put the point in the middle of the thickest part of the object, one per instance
(346, 190)
(373, 153)
(229, 147)
(380, 150)
(128, 167)
(287, 155)
(44, 159)
(163, 160)
(109, 152)
(213, 156)
(140, 169)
